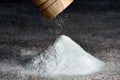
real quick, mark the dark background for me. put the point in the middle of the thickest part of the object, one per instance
(81, 4)
(93, 24)
(102, 2)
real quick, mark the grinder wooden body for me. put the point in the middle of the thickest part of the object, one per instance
(51, 8)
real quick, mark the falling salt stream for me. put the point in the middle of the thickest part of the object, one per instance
(60, 23)
(64, 57)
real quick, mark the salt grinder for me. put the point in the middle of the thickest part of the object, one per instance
(51, 8)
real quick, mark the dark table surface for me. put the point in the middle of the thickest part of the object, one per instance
(22, 27)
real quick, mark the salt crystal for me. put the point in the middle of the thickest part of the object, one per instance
(64, 57)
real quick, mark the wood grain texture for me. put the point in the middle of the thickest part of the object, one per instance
(39, 2)
(47, 4)
(51, 8)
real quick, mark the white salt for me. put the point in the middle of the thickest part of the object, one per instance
(64, 57)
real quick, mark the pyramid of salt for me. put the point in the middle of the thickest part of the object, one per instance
(64, 57)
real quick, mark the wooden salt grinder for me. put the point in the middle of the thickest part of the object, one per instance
(51, 8)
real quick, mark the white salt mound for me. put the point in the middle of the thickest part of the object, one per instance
(64, 57)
